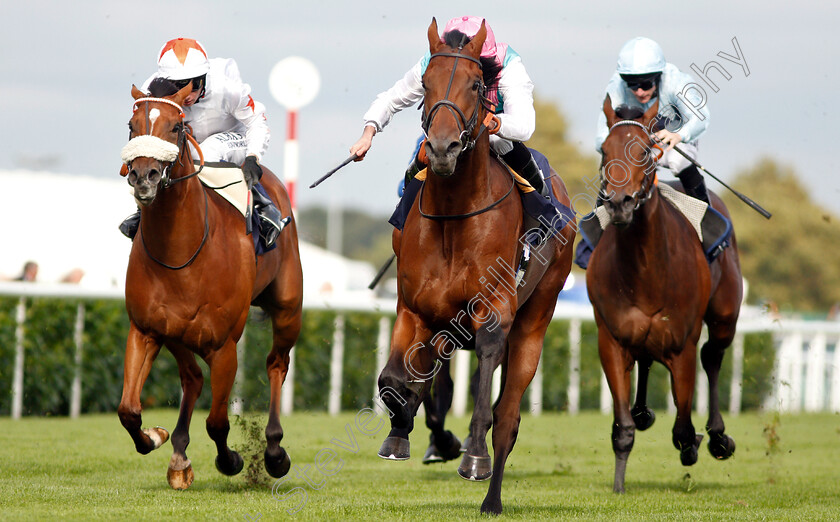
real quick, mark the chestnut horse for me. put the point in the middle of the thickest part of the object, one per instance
(652, 288)
(453, 288)
(192, 277)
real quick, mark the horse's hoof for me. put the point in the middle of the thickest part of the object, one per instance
(721, 447)
(180, 474)
(451, 449)
(643, 418)
(491, 506)
(158, 435)
(466, 444)
(688, 455)
(432, 455)
(232, 468)
(475, 468)
(395, 448)
(277, 466)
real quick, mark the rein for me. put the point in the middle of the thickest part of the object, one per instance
(645, 192)
(444, 217)
(184, 137)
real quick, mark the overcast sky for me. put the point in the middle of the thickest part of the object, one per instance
(67, 70)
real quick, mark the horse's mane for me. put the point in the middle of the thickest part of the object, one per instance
(490, 69)
(161, 88)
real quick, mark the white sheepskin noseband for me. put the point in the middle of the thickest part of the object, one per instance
(149, 147)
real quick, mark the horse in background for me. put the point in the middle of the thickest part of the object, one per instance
(652, 288)
(192, 277)
(462, 230)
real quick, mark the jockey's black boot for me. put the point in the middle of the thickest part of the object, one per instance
(130, 225)
(271, 220)
(694, 184)
(534, 175)
(412, 170)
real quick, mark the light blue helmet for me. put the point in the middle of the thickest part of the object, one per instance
(641, 56)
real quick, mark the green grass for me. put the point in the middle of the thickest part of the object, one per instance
(561, 468)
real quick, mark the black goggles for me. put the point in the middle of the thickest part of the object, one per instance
(197, 83)
(636, 83)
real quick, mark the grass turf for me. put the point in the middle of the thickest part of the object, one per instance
(561, 468)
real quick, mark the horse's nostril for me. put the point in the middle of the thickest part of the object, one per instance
(455, 145)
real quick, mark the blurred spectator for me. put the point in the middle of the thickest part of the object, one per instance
(74, 276)
(30, 272)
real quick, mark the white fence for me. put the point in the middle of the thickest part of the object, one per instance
(806, 375)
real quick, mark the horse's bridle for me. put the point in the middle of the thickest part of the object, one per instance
(166, 179)
(466, 126)
(645, 192)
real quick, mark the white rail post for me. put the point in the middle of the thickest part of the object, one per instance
(462, 382)
(287, 395)
(76, 391)
(336, 366)
(606, 397)
(815, 374)
(835, 379)
(17, 380)
(737, 383)
(701, 387)
(236, 396)
(573, 392)
(537, 390)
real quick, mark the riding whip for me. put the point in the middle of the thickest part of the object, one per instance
(333, 171)
(755, 206)
(381, 272)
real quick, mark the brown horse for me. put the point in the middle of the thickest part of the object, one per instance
(652, 288)
(455, 271)
(192, 277)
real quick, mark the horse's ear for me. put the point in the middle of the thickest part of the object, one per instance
(434, 37)
(650, 115)
(474, 47)
(609, 112)
(181, 95)
(137, 93)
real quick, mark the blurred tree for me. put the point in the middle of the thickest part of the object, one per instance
(790, 260)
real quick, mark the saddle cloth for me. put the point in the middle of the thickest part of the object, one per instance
(229, 182)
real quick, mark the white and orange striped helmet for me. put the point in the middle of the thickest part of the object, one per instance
(181, 59)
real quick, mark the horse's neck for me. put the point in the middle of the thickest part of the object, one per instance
(178, 212)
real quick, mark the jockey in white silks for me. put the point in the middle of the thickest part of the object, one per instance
(642, 78)
(226, 121)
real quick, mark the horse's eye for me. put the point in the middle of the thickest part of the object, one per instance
(477, 85)
(177, 128)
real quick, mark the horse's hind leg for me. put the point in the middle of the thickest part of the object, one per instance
(443, 445)
(286, 330)
(683, 375)
(643, 417)
(140, 353)
(721, 446)
(222, 372)
(180, 473)
(617, 363)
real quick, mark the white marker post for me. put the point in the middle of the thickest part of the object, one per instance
(294, 82)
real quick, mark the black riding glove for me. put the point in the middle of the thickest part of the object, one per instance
(252, 171)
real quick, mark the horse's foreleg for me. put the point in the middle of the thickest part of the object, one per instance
(721, 446)
(489, 347)
(222, 372)
(617, 364)
(522, 361)
(443, 445)
(683, 375)
(643, 417)
(140, 353)
(404, 381)
(277, 461)
(180, 474)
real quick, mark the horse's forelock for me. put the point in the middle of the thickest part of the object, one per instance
(161, 88)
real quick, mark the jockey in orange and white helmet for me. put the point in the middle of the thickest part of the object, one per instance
(508, 87)
(226, 121)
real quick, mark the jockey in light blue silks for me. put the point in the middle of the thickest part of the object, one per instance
(642, 78)
(509, 88)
